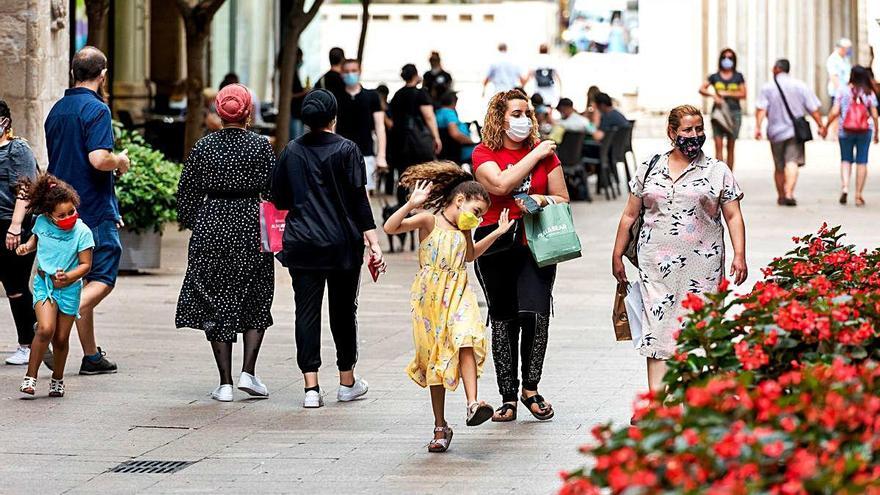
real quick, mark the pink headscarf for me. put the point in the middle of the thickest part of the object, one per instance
(233, 103)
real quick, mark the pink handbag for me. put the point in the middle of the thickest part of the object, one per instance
(271, 227)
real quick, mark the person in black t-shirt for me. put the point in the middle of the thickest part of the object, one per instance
(360, 113)
(437, 82)
(321, 180)
(332, 80)
(412, 113)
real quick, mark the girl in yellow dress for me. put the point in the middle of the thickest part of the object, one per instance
(448, 333)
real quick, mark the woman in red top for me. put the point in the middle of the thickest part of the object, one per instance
(512, 160)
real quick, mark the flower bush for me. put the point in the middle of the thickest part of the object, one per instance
(775, 391)
(811, 430)
(820, 301)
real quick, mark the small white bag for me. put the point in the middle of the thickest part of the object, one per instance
(635, 310)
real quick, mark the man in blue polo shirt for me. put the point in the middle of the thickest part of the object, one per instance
(79, 137)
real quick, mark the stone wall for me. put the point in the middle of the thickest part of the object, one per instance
(34, 67)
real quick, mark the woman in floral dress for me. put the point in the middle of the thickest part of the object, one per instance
(681, 243)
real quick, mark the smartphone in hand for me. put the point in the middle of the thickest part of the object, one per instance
(532, 206)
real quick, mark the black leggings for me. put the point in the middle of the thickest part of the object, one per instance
(15, 275)
(342, 293)
(520, 297)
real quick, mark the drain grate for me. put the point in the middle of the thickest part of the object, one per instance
(151, 467)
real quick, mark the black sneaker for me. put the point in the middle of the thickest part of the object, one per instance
(102, 367)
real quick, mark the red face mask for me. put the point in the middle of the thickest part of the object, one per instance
(67, 223)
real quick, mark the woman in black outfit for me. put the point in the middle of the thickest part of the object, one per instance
(415, 126)
(16, 162)
(321, 179)
(229, 283)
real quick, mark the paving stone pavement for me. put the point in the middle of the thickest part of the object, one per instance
(157, 406)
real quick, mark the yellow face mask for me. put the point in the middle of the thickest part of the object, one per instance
(468, 221)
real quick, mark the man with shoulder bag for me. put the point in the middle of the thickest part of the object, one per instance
(785, 102)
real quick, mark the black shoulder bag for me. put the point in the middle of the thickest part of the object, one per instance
(802, 131)
(632, 247)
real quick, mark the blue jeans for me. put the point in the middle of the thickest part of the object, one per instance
(106, 255)
(854, 147)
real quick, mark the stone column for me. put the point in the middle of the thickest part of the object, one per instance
(34, 65)
(130, 63)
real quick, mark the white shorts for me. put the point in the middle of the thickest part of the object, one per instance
(370, 161)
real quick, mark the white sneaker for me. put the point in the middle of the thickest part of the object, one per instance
(356, 391)
(21, 356)
(252, 385)
(223, 393)
(313, 399)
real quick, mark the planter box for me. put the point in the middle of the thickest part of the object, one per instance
(140, 251)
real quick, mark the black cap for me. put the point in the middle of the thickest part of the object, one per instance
(564, 103)
(318, 109)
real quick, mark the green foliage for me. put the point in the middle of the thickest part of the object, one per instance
(148, 192)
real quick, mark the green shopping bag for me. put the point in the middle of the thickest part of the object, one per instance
(551, 235)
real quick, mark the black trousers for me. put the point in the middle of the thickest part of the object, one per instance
(520, 297)
(308, 293)
(15, 275)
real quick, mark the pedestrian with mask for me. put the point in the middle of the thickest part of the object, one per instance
(16, 162)
(681, 242)
(728, 88)
(360, 115)
(512, 161)
(79, 138)
(321, 180)
(785, 101)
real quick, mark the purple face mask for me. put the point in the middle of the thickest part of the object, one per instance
(690, 146)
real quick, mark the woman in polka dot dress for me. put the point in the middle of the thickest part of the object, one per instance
(229, 283)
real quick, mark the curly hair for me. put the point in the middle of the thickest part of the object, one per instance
(45, 193)
(493, 127)
(447, 180)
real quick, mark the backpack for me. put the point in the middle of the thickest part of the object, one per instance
(856, 119)
(544, 77)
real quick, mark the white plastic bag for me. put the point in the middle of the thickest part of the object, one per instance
(635, 310)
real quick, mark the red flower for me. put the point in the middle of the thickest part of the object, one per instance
(773, 449)
(690, 436)
(723, 285)
(693, 302)
(802, 465)
(698, 397)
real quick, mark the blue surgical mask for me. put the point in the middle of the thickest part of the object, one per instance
(726, 63)
(351, 78)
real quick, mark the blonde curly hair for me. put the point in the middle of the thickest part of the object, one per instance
(447, 180)
(493, 127)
